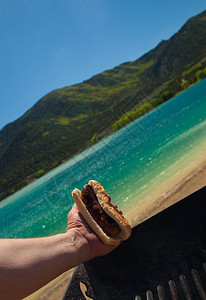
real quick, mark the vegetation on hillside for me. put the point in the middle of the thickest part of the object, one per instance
(68, 120)
(189, 77)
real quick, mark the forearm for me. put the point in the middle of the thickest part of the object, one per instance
(28, 264)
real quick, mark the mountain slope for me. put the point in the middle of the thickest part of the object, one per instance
(64, 121)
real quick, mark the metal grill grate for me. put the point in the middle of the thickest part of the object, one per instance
(200, 293)
(165, 258)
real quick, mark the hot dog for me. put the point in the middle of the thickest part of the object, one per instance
(105, 219)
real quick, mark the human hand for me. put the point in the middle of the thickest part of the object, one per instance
(84, 234)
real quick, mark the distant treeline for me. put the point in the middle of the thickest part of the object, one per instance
(189, 77)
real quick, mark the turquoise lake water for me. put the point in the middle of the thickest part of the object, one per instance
(129, 164)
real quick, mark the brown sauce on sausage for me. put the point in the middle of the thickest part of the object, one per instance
(108, 225)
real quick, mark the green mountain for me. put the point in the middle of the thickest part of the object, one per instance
(68, 120)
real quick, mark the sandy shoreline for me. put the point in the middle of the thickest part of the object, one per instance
(176, 188)
(180, 186)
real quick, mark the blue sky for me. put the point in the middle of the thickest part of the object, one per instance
(49, 44)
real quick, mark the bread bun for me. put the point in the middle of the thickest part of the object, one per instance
(125, 229)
